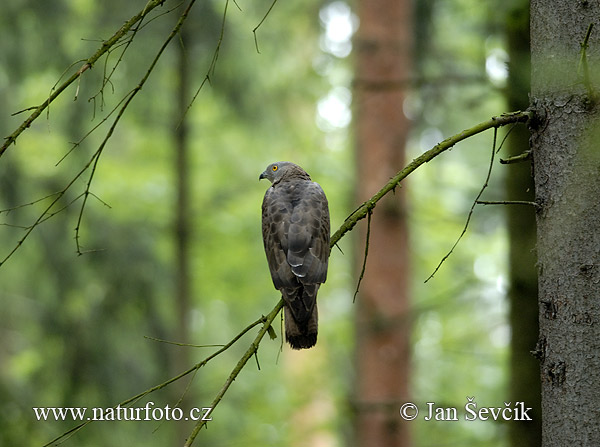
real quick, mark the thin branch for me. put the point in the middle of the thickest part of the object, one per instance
(46, 214)
(190, 345)
(524, 156)
(106, 46)
(8, 210)
(485, 185)
(23, 111)
(508, 202)
(213, 64)
(510, 129)
(260, 24)
(364, 266)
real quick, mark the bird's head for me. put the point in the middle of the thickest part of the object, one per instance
(277, 171)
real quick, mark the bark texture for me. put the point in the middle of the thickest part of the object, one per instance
(565, 141)
(383, 51)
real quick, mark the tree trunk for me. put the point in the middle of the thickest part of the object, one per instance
(383, 48)
(524, 384)
(565, 142)
(182, 233)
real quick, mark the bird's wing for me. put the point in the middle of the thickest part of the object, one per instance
(295, 226)
(276, 212)
(308, 234)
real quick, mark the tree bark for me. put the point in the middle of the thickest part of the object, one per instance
(524, 382)
(383, 48)
(182, 232)
(565, 142)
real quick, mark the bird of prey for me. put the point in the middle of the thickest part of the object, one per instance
(295, 228)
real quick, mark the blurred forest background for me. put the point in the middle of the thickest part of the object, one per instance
(76, 330)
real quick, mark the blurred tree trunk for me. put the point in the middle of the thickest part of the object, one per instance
(524, 368)
(182, 229)
(384, 60)
(565, 142)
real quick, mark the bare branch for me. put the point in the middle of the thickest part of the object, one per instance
(190, 345)
(213, 63)
(260, 24)
(508, 202)
(366, 255)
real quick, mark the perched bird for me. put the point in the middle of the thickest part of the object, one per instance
(295, 228)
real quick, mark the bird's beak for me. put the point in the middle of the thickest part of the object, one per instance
(262, 176)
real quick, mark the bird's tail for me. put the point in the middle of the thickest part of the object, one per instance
(301, 334)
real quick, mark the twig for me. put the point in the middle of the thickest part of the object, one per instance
(516, 158)
(190, 345)
(260, 24)
(507, 202)
(213, 63)
(510, 129)
(46, 214)
(485, 185)
(364, 266)
(8, 210)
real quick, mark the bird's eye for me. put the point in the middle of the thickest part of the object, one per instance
(274, 168)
